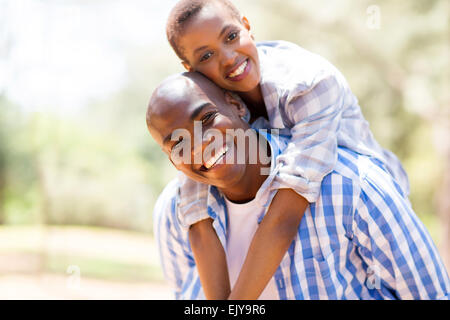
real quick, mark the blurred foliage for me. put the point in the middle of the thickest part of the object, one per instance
(101, 167)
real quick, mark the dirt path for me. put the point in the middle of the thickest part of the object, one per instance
(51, 286)
(23, 277)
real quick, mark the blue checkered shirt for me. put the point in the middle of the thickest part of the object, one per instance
(310, 99)
(359, 240)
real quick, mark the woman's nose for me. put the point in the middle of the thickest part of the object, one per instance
(228, 58)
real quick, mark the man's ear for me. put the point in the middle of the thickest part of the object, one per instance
(187, 66)
(236, 102)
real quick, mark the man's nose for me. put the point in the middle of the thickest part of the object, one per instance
(200, 143)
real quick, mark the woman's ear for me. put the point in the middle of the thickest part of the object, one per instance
(187, 66)
(246, 25)
(236, 103)
(245, 22)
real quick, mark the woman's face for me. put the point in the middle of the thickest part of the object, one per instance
(219, 46)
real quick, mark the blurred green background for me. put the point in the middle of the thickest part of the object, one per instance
(79, 173)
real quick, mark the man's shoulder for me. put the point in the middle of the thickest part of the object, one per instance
(351, 165)
(357, 169)
(353, 176)
(166, 202)
(170, 190)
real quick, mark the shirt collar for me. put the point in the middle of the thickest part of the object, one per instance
(277, 144)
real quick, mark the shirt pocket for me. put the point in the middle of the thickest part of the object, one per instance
(318, 277)
(316, 266)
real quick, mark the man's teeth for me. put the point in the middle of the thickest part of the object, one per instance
(212, 161)
(239, 70)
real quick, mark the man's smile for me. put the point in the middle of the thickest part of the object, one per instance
(212, 161)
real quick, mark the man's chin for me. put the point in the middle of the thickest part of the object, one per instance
(224, 177)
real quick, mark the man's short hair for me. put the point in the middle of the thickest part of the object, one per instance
(183, 12)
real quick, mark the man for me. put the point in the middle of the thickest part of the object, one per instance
(359, 240)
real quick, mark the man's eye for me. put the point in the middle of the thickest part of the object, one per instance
(207, 117)
(206, 56)
(232, 36)
(177, 143)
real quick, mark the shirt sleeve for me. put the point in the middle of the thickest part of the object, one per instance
(312, 151)
(401, 259)
(176, 257)
(193, 203)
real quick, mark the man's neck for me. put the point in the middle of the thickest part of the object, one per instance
(246, 188)
(255, 103)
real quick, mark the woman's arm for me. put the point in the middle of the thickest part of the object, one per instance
(270, 243)
(210, 259)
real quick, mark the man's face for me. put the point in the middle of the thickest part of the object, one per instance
(219, 46)
(181, 103)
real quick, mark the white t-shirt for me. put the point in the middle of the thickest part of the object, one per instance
(242, 223)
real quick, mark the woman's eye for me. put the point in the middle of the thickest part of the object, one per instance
(206, 56)
(232, 36)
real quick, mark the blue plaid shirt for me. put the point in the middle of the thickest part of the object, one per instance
(359, 240)
(310, 99)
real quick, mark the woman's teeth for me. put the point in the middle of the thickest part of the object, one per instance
(239, 70)
(212, 161)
